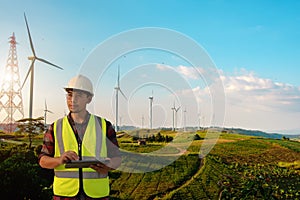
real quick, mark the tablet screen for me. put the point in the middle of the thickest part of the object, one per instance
(84, 163)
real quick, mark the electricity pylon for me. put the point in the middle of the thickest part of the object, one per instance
(11, 101)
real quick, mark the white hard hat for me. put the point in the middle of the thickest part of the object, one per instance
(80, 82)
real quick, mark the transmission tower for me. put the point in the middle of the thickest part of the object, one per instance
(11, 102)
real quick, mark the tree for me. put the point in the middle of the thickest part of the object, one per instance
(159, 137)
(197, 137)
(285, 138)
(31, 126)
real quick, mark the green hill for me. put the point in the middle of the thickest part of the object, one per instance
(260, 133)
(238, 167)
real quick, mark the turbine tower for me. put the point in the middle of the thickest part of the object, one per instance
(199, 121)
(11, 101)
(184, 122)
(118, 89)
(150, 110)
(175, 110)
(45, 113)
(143, 121)
(33, 58)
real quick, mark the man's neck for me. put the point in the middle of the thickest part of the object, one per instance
(79, 117)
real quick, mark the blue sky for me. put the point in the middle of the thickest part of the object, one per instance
(254, 45)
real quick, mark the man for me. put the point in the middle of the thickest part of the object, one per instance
(80, 136)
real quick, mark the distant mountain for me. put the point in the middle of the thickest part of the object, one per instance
(260, 133)
(256, 133)
(127, 128)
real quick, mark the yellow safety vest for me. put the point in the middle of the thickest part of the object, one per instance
(66, 180)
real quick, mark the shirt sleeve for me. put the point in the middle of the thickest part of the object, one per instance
(112, 142)
(48, 143)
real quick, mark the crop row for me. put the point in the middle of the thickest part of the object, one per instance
(155, 183)
(229, 173)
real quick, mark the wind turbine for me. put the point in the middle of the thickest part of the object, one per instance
(118, 89)
(175, 110)
(199, 120)
(33, 58)
(143, 121)
(150, 110)
(45, 113)
(184, 128)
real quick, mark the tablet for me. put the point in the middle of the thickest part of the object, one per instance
(84, 163)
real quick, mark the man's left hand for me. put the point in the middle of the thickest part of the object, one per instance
(101, 168)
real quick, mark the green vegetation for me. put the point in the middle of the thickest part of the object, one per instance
(32, 127)
(21, 177)
(238, 167)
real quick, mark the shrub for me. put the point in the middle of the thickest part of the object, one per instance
(21, 173)
(197, 137)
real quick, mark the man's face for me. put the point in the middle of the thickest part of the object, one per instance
(77, 100)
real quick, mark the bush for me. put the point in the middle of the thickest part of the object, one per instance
(23, 178)
(197, 137)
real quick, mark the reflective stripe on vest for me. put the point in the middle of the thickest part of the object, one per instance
(66, 181)
(88, 175)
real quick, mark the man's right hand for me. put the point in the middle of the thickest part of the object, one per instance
(67, 156)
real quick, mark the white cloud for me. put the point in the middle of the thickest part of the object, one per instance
(252, 91)
(162, 67)
(188, 72)
(251, 101)
(254, 102)
(260, 103)
(193, 73)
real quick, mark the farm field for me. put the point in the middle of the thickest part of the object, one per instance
(238, 167)
(242, 167)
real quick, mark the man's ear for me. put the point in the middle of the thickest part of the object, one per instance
(90, 97)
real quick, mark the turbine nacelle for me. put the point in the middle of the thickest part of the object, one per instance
(31, 57)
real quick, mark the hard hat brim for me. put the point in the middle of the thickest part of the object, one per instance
(67, 89)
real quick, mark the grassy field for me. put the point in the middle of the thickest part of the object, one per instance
(238, 167)
(245, 169)
(241, 167)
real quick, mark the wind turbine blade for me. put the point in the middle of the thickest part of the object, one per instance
(49, 111)
(49, 63)
(46, 108)
(118, 81)
(123, 94)
(45, 105)
(29, 71)
(30, 40)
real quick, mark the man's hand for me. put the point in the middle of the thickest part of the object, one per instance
(50, 162)
(102, 168)
(67, 156)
